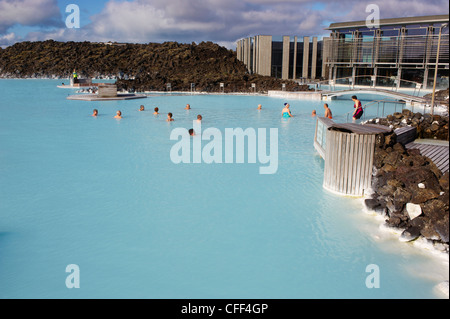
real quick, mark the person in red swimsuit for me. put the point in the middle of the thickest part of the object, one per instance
(358, 108)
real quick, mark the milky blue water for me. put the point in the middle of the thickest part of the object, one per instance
(104, 194)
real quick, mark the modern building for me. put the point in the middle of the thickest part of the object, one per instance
(287, 58)
(401, 48)
(399, 52)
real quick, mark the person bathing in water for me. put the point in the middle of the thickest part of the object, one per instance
(358, 108)
(118, 115)
(95, 113)
(156, 111)
(327, 111)
(170, 117)
(286, 112)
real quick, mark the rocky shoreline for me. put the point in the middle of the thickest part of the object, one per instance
(408, 189)
(139, 67)
(428, 126)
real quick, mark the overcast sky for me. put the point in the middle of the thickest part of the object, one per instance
(220, 21)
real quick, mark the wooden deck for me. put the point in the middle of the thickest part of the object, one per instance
(95, 97)
(437, 153)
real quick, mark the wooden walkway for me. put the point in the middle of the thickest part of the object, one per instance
(437, 153)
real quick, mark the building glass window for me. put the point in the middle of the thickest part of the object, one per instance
(416, 31)
(386, 77)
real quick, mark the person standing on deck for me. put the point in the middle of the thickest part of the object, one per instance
(75, 76)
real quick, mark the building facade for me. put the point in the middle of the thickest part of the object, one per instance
(400, 52)
(288, 58)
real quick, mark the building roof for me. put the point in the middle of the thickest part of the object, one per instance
(393, 21)
(360, 129)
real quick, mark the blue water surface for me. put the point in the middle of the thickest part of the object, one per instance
(104, 194)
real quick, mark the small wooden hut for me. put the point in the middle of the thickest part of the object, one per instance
(348, 150)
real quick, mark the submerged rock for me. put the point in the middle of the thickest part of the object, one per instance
(410, 234)
(443, 288)
(376, 205)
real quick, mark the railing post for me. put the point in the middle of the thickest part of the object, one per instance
(331, 84)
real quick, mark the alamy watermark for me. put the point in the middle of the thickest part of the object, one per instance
(373, 19)
(73, 19)
(221, 148)
(73, 279)
(373, 279)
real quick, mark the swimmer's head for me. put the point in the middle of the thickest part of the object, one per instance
(142, 108)
(259, 106)
(119, 113)
(191, 132)
(95, 112)
(199, 117)
(169, 115)
(156, 109)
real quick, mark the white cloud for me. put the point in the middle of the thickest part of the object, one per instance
(8, 39)
(388, 9)
(210, 20)
(156, 20)
(197, 20)
(28, 13)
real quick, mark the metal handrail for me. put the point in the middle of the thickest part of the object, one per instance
(417, 85)
(365, 106)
